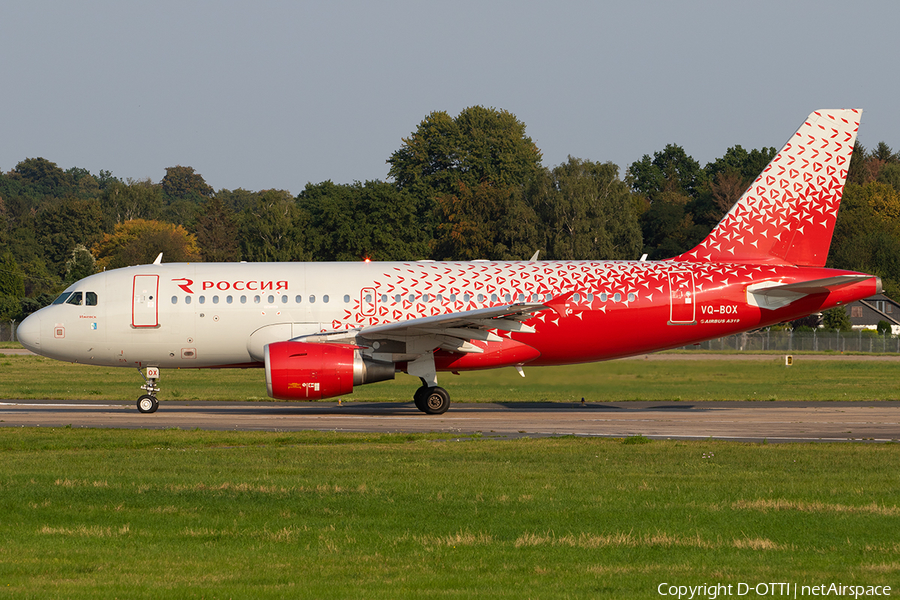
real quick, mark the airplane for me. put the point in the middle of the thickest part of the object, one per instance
(319, 329)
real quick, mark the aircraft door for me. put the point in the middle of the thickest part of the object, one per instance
(682, 304)
(368, 302)
(145, 305)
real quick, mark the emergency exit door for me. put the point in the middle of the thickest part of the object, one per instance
(145, 305)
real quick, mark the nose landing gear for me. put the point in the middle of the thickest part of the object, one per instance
(148, 402)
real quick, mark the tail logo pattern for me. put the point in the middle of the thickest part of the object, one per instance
(787, 215)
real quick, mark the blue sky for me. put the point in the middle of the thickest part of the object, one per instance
(277, 94)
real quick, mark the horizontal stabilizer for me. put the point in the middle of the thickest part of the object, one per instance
(774, 294)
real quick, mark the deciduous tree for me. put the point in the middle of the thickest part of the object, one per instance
(364, 220)
(485, 222)
(139, 241)
(586, 212)
(272, 229)
(217, 232)
(479, 146)
(63, 224)
(185, 184)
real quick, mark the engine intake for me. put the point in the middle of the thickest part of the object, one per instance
(305, 371)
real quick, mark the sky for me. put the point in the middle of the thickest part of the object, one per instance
(260, 95)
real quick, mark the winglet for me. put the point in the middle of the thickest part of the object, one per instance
(787, 215)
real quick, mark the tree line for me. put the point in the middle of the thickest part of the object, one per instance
(459, 188)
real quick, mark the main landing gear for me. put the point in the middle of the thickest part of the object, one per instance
(148, 402)
(432, 400)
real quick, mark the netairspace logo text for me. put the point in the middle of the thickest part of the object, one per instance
(780, 589)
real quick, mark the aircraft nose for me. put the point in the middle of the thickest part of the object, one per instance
(29, 333)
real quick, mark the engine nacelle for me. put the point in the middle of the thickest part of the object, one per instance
(305, 371)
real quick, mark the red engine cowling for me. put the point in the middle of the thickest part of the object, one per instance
(304, 371)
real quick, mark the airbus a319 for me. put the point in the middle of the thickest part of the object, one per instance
(319, 329)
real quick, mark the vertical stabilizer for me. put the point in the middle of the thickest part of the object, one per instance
(787, 215)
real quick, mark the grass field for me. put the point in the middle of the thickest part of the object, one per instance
(199, 514)
(31, 377)
(154, 514)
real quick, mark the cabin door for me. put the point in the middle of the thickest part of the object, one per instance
(145, 304)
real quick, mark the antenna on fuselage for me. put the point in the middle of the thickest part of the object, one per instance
(534, 256)
(158, 260)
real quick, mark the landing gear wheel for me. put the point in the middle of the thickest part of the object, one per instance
(147, 403)
(432, 401)
(419, 398)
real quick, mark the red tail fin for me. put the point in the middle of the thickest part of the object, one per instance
(787, 215)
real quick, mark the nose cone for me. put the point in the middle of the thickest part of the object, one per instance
(29, 333)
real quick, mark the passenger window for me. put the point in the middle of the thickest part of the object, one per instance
(256, 299)
(617, 297)
(90, 298)
(75, 299)
(493, 297)
(243, 299)
(284, 299)
(187, 299)
(298, 299)
(312, 299)
(202, 299)
(174, 299)
(325, 298)
(576, 297)
(271, 299)
(215, 299)
(229, 299)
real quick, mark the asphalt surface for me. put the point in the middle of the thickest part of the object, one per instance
(745, 421)
(780, 421)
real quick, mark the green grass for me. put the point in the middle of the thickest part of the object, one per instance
(105, 513)
(31, 377)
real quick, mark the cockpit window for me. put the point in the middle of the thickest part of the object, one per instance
(75, 299)
(90, 298)
(62, 298)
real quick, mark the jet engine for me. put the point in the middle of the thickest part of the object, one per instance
(305, 371)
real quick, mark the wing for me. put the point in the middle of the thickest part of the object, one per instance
(453, 332)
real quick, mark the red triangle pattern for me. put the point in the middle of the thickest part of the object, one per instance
(787, 215)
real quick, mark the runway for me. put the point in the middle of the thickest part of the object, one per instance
(741, 421)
